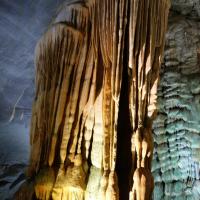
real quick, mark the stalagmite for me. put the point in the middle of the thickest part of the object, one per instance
(80, 61)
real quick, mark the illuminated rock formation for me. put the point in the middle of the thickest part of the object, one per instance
(80, 62)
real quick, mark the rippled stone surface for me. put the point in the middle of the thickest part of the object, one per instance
(176, 164)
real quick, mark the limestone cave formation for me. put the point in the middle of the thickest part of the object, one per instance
(176, 163)
(97, 73)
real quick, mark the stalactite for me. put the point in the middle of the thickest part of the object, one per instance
(79, 63)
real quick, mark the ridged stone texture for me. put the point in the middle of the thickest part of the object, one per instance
(176, 162)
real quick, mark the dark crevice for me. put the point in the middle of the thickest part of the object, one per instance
(124, 157)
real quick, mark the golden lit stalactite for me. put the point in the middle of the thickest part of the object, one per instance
(79, 63)
(147, 42)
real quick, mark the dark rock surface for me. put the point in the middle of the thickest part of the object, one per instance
(22, 22)
(189, 8)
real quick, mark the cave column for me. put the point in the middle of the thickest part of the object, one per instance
(147, 27)
(80, 57)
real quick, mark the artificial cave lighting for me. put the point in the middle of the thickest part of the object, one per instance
(95, 52)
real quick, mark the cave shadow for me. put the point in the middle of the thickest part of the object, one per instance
(124, 130)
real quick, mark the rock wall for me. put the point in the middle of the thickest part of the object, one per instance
(176, 162)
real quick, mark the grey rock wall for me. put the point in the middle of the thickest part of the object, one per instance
(22, 23)
(176, 162)
(189, 8)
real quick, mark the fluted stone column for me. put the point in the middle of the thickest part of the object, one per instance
(79, 63)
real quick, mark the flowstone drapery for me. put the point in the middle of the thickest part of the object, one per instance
(80, 61)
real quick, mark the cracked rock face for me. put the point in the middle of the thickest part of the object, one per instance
(176, 164)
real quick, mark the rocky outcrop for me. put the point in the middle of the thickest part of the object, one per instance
(188, 8)
(176, 163)
(80, 63)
